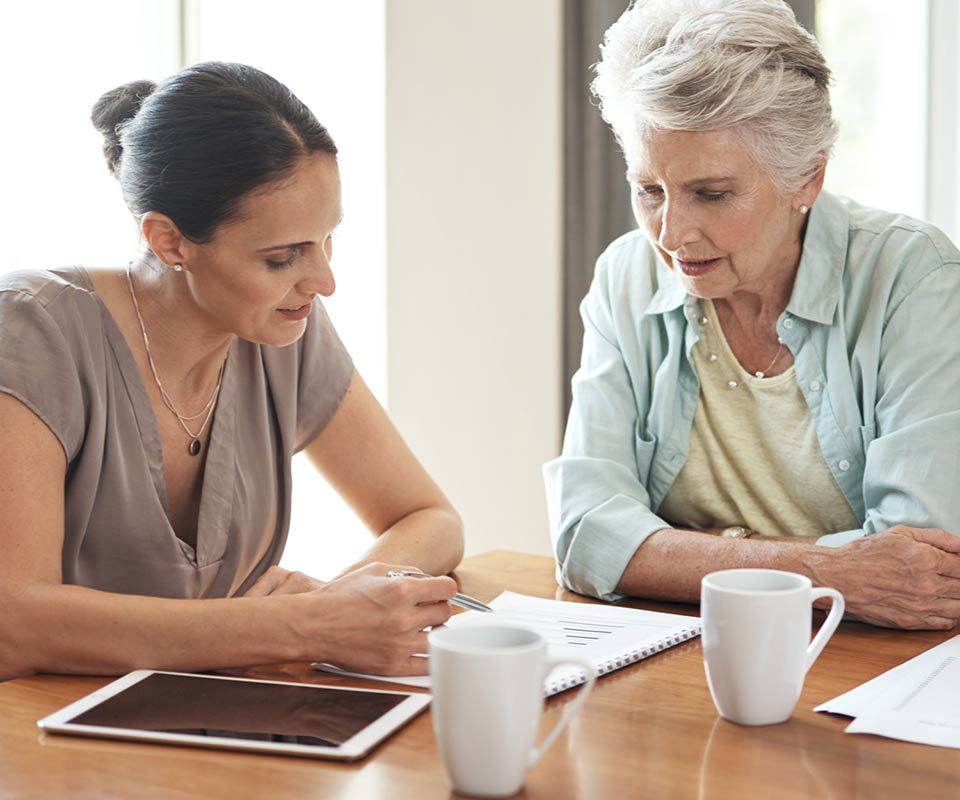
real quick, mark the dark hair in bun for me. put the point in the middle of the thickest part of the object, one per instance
(192, 147)
(112, 110)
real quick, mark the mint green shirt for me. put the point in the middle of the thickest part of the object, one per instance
(874, 328)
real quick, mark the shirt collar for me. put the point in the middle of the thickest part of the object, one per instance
(816, 290)
(670, 292)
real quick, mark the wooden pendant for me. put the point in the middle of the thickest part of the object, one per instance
(195, 447)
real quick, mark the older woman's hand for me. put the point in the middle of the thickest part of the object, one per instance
(901, 578)
(367, 622)
(277, 580)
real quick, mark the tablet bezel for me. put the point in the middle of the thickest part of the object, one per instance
(355, 747)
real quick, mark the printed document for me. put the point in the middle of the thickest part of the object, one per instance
(919, 701)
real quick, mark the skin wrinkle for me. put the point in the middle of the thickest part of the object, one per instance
(754, 228)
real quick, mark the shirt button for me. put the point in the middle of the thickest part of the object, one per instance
(713, 356)
(788, 323)
(814, 386)
(703, 320)
(844, 465)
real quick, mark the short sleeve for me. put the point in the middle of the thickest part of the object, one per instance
(38, 366)
(325, 372)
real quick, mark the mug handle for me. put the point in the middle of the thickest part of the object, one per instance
(828, 627)
(570, 711)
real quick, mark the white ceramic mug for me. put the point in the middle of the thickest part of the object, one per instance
(488, 683)
(756, 640)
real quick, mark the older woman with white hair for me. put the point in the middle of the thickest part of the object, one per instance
(770, 373)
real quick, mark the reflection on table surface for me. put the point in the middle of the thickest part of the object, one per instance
(266, 711)
(648, 731)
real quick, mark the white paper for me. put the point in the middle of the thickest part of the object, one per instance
(604, 635)
(600, 634)
(885, 690)
(928, 714)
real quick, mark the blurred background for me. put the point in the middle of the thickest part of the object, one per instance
(479, 186)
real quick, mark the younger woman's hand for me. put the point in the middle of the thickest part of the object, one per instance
(365, 621)
(277, 580)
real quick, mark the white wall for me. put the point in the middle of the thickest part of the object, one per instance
(473, 254)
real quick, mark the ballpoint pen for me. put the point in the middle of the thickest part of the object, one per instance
(460, 600)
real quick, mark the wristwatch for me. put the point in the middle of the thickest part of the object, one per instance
(736, 532)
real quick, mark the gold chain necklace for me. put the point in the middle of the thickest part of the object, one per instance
(194, 446)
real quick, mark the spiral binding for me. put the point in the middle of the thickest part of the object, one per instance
(631, 657)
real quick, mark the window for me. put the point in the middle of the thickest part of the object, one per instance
(895, 97)
(59, 204)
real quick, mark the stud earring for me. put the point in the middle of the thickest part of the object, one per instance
(178, 267)
(804, 209)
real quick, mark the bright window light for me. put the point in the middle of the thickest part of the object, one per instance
(332, 55)
(59, 204)
(877, 51)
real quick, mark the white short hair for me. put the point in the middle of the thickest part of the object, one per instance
(698, 65)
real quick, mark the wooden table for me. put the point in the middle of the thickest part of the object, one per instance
(649, 731)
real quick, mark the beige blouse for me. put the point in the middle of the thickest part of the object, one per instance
(754, 457)
(63, 356)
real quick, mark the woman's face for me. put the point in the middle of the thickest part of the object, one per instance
(258, 277)
(714, 216)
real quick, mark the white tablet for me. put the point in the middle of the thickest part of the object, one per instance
(240, 714)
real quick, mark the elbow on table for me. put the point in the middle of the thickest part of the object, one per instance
(455, 539)
(16, 660)
(577, 574)
(28, 623)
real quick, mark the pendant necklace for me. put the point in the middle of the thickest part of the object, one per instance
(194, 447)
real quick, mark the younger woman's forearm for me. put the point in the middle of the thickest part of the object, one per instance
(72, 629)
(430, 539)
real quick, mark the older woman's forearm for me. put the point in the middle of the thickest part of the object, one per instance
(900, 578)
(430, 539)
(670, 563)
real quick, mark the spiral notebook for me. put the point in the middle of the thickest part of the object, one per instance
(608, 636)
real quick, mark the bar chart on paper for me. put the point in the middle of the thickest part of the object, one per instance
(581, 631)
(608, 636)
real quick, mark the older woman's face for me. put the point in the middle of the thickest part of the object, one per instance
(715, 217)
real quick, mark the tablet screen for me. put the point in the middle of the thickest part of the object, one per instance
(195, 705)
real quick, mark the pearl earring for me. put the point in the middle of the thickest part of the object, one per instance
(804, 209)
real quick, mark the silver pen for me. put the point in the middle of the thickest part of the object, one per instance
(460, 600)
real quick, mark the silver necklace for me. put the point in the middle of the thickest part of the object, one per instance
(761, 373)
(194, 447)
